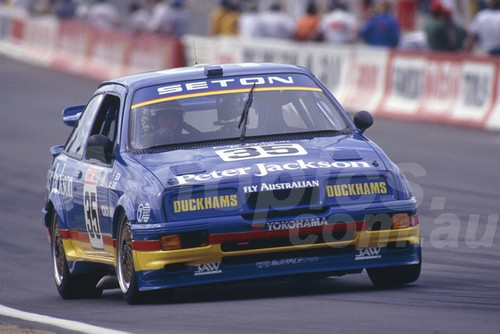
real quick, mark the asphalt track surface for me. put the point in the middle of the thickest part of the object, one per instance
(455, 175)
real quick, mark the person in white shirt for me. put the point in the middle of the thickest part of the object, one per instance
(485, 29)
(249, 23)
(276, 24)
(103, 14)
(339, 26)
(82, 9)
(169, 18)
(158, 13)
(138, 18)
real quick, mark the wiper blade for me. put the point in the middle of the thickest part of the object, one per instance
(244, 113)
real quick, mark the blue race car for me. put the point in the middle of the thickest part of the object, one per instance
(220, 173)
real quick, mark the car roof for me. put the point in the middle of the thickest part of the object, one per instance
(204, 71)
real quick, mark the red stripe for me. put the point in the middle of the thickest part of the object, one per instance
(154, 245)
(64, 234)
(150, 245)
(84, 237)
(146, 245)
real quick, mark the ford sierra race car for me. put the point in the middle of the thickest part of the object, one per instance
(218, 173)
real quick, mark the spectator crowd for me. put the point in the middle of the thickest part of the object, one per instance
(164, 17)
(332, 22)
(336, 24)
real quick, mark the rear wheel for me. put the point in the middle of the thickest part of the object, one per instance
(394, 276)
(68, 285)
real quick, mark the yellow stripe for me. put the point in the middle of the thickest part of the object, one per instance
(367, 239)
(144, 260)
(221, 92)
(152, 260)
(82, 251)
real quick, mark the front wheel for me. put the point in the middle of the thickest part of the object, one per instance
(68, 285)
(126, 271)
(394, 276)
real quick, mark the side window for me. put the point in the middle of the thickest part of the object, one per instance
(105, 127)
(76, 141)
(106, 121)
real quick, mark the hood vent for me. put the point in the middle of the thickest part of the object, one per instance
(184, 169)
(343, 155)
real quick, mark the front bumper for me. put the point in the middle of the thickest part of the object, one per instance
(210, 264)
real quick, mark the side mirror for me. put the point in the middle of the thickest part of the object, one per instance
(71, 115)
(56, 150)
(100, 148)
(363, 120)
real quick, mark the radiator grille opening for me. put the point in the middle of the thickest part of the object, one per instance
(295, 240)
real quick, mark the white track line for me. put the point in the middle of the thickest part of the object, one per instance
(61, 323)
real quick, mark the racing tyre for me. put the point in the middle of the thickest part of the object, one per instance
(126, 270)
(68, 285)
(394, 276)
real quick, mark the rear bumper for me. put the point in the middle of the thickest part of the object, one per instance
(209, 264)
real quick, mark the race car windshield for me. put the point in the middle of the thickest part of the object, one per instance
(187, 112)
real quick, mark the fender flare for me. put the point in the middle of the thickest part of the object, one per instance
(126, 205)
(55, 202)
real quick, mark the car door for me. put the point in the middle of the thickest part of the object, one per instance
(98, 163)
(70, 164)
(91, 214)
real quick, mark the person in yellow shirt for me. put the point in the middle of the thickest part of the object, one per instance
(224, 19)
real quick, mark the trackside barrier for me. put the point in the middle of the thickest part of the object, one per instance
(445, 88)
(440, 88)
(39, 39)
(4, 26)
(433, 87)
(12, 27)
(105, 54)
(30, 39)
(494, 119)
(79, 48)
